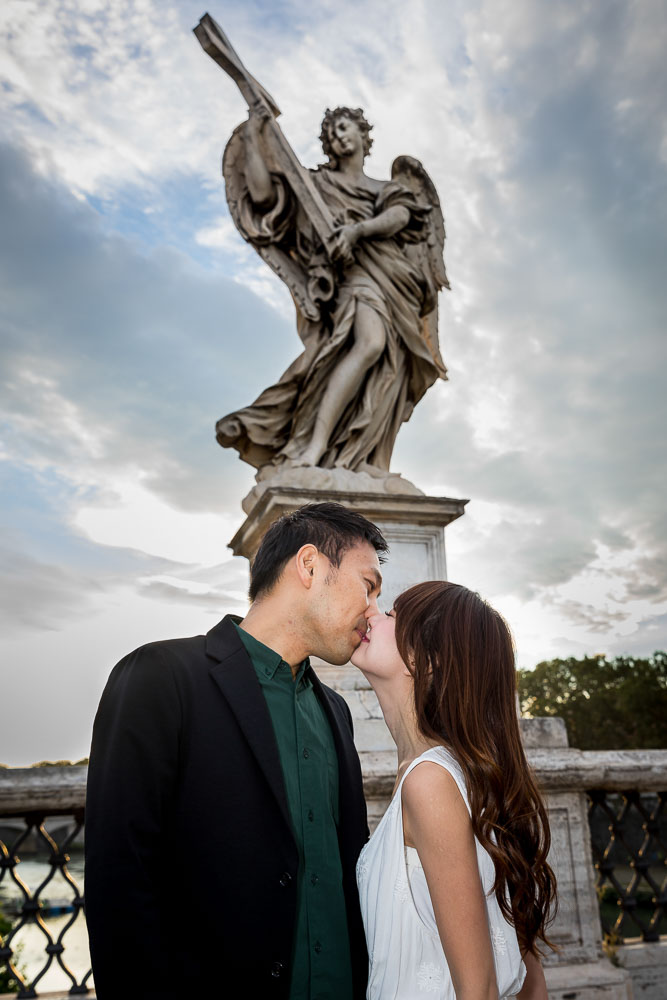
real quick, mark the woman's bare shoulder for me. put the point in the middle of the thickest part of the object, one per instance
(433, 806)
(428, 779)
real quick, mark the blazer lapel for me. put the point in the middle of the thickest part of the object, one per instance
(235, 677)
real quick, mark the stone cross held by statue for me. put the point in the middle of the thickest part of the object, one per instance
(215, 43)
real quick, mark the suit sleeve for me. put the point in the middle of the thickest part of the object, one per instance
(131, 784)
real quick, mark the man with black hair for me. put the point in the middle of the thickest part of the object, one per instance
(225, 807)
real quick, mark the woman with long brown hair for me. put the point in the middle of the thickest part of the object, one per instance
(456, 892)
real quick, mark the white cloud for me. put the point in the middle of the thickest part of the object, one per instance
(222, 235)
(136, 519)
(39, 412)
(106, 81)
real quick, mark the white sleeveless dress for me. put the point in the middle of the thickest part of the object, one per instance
(406, 958)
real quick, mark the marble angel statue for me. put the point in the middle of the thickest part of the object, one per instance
(363, 259)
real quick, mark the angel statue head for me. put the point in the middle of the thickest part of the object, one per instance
(343, 117)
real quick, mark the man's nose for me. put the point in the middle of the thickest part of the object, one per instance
(372, 608)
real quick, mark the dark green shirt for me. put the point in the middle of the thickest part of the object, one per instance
(321, 965)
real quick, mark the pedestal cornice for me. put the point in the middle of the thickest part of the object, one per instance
(392, 508)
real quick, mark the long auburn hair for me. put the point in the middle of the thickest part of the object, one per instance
(460, 653)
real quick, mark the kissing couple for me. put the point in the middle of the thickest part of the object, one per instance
(227, 849)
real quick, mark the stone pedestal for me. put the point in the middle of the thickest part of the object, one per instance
(414, 526)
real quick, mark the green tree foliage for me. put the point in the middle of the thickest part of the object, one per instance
(618, 704)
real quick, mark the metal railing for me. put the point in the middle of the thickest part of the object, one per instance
(629, 843)
(625, 793)
(28, 799)
(31, 909)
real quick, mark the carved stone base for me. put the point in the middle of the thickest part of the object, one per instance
(326, 480)
(413, 524)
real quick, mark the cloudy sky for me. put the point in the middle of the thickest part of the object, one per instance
(133, 315)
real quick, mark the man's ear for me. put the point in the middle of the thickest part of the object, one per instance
(306, 561)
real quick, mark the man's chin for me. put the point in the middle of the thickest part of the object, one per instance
(339, 657)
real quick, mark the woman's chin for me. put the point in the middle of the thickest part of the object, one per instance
(357, 657)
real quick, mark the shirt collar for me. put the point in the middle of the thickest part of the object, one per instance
(265, 660)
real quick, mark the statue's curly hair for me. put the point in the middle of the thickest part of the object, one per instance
(355, 115)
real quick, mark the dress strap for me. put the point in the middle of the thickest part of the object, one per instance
(443, 757)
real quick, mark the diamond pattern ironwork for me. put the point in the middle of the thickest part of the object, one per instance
(31, 905)
(629, 843)
(628, 838)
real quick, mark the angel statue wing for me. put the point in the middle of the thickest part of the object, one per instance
(426, 254)
(274, 237)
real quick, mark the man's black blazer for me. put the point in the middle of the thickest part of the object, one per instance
(190, 860)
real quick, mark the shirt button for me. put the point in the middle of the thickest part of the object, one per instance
(314, 879)
(277, 969)
(311, 815)
(306, 752)
(317, 947)
(285, 879)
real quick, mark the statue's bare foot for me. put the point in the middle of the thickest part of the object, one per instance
(228, 430)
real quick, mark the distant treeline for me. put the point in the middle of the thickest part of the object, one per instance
(617, 704)
(53, 763)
